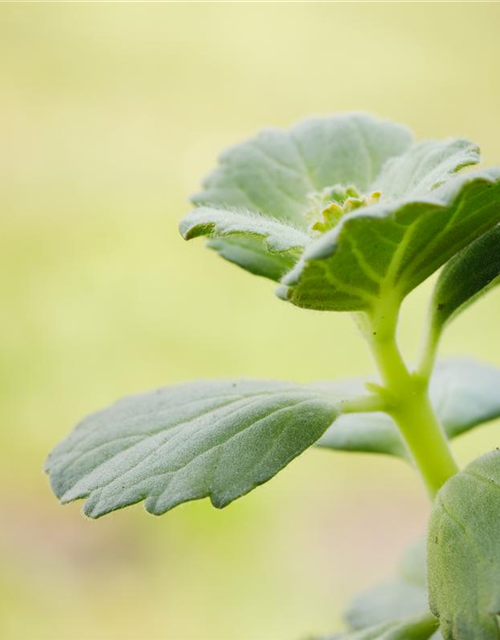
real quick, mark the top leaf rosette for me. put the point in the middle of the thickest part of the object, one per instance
(345, 211)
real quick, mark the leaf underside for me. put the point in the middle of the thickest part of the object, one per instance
(251, 254)
(464, 392)
(258, 243)
(215, 439)
(464, 552)
(466, 277)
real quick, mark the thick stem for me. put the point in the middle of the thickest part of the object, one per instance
(408, 403)
(425, 439)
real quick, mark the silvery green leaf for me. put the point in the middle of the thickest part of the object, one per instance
(205, 439)
(366, 433)
(391, 247)
(464, 392)
(275, 173)
(252, 255)
(279, 236)
(466, 277)
(464, 552)
(269, 235)
(425, 166)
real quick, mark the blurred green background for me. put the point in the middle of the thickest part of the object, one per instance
(111, 115)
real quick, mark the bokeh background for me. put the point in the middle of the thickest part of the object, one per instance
(111, 115)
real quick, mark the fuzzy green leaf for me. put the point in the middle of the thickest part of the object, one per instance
(391, 247)
(206, 439)
(466, 277)
(274, 174)
(279, 236)
(251, 254)
(268, 236)
(464, 552)
(425, 166)
(464, 392)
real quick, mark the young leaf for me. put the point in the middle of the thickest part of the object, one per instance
(322, 180)
(466, 277)
(206, 439)
(252, 255)
(268, 235)
(275, 175)
(425, 166)
(464, 552)
(274, 172)
(391, 247)
(279, 236)
(465, 393)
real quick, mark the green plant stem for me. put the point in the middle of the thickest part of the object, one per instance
(408, 403)
(428, 349)
(363, 404)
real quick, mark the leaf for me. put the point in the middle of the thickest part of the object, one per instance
(464, 392)
(251, 255)
(401, 597)
(268, 235)
(366, 433)
(466, 277)
(396, 607)
(205, 439)
(279, 236)
(388, 249)
(274, 174)
(464, 552)
(425, 166)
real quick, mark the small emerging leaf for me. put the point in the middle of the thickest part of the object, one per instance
(464, 552)
(466, 277)
(214, 439)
